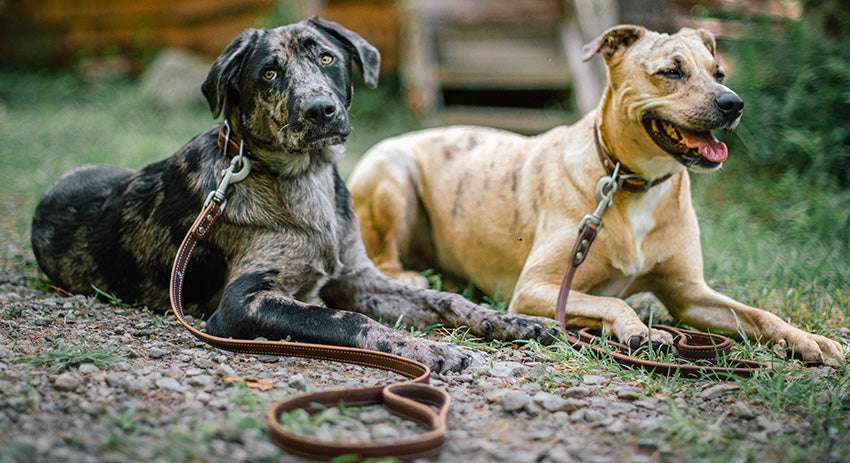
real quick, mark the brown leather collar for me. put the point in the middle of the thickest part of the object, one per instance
(233, 143)
(628, 180)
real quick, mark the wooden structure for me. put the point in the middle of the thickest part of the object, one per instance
(380, 22)
(55, 32)
(505, 63)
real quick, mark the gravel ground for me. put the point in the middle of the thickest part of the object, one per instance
(160, 395)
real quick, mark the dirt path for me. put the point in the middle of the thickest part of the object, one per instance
(138, 388)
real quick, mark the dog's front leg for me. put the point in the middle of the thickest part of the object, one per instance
(610, 314)
(681, 287)
(695, 304)
(372, 293)
(252, 307)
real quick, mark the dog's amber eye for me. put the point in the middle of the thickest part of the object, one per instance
(270, 74)
(327, 59)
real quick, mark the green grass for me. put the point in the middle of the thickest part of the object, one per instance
(66, 357)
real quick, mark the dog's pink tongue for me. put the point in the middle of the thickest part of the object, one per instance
(705, 142)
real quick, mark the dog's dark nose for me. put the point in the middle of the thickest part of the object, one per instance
(319, 110)
(730, 105)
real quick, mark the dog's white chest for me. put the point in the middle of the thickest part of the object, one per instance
(641, 214)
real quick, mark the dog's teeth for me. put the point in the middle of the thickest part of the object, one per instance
(672, 132)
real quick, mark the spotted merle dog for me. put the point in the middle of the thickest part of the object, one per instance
(287, 240)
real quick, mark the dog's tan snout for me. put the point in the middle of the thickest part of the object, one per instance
(730, 106)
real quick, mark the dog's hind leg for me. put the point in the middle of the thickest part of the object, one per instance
(369, 292)
(393, 222)
(81, 203)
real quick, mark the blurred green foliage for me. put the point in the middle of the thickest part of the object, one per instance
(796, 85)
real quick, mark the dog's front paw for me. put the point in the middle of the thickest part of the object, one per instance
(813, 348)
(515, 327)
(657, 338)
(439, 356)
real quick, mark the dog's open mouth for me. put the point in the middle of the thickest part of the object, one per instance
(691, 148)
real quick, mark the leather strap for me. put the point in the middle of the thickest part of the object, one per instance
(628, 180)
(412, 400)
(703, 350)
(232, 142)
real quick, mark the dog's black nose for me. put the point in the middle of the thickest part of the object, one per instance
(319, 110)
(730, 105)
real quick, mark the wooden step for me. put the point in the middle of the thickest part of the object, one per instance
(526, 121)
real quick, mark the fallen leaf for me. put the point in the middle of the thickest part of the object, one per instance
(261, 384)
(253, 383)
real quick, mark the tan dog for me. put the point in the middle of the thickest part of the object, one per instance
(502, 210)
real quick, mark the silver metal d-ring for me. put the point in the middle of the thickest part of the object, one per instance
(246, 165)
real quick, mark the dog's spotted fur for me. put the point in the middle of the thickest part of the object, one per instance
(288, 235)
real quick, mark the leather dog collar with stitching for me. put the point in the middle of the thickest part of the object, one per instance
(233, 145)
(630, 181)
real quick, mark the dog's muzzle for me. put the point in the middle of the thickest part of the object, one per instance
(698, 148)
(317, 122)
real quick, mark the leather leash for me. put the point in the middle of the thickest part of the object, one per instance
(412, 400)
(704, 350)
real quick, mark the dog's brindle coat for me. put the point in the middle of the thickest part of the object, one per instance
(503, 210)
(288, 234)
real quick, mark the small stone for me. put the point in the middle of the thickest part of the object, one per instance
(373, 416)
(559, 454)
(137, 385)
(168, 383)
(578, 391)
(742, 411)
(67, 382)
(225, 370)
(115, 379)
(298, 382)
(494, 396)
(514, 400)
(156, 353)
(616, 427)
(385, 432)
(595, 380)
(716, 391)
(88, 369)
(630, 395)
(507, 369)
(203, 362)
(553, 403)
(201, 381)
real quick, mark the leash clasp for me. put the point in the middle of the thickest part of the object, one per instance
(605, 189)
(228, 175)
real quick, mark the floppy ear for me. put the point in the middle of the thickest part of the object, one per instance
(708, 40)
(224, 74)
(365, 55)
(613, 41)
